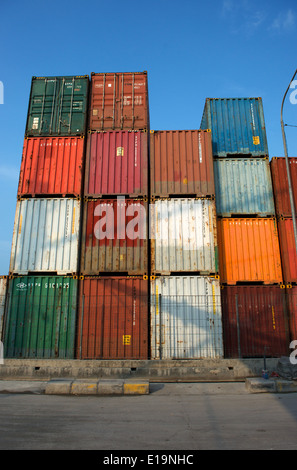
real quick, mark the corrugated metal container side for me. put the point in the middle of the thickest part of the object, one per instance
(280, 184)
(115, 237)
(186, 318)
(237, 126)
(52, 166)
(291, 296)
(254, 321)
(113, 318)
(119, 101)
(181, 163)
(46, 236)
(249, 250)
(57, 106)
(288, 250)
(243, 186)
(117, 164)
(41, 317)
(183, 236)
(3, 292)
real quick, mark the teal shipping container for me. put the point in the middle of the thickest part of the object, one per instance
(237, 126)
(243, 186)
(57, 106)
(40, 317)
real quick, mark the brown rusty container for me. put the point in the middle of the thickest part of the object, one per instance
(113, 318)
(117, 164)
(181, 163)
(288, 250)
(291, 294)
(52, 166)
(255, 321)
(249, 250)
(115, 237)
(280, 185)
(119, 101)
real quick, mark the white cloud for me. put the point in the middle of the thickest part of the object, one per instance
(284, 21)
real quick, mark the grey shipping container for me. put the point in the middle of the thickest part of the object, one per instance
(183, 236)
(243, 186)
(186, 318)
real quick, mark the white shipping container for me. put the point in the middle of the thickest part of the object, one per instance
(3, 289)
(184, 236)
(46, 236)
(186, 318)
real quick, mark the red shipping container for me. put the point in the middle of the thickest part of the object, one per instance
(281, 187)
(181, 163)
(52, 166)
(255, 321)
(288, 250)
(115, 237)
(292, 311)
(119, 101)
(117, 164)
(113, 318)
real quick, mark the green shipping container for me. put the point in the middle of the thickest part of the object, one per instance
(41, 317)
(57, 106)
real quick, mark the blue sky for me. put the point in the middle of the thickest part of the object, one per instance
(190, 49)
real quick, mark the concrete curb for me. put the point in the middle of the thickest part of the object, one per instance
(272, 385)
(76, 387)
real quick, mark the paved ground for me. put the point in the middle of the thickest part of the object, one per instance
(172, 417)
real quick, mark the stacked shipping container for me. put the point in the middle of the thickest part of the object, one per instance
(44, 264)
(253, 302)
(185, 291)
(97, 272)
(286, 231)
(113, 293)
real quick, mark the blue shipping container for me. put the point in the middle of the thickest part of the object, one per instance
(243, 187)
(237, 126)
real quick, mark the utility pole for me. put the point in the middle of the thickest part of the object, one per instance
(288, 166)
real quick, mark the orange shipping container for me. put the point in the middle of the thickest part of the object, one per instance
(249, 251)
(181, 163)
(52, 166)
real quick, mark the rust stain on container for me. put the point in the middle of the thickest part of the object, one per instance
(119, 101)
(254, 321)
(280, 185)
(52, 166)
(249, 250)
(115, 237)
(113, 318)
(181, 162)
(117, 163)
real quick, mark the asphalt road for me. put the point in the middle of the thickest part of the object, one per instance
(173, 417)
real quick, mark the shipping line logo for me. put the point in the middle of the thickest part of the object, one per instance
(1, 93)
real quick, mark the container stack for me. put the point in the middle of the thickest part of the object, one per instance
(185, 318)
(253, 298)
(286, 231)
(113, 292)
(44, 264)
